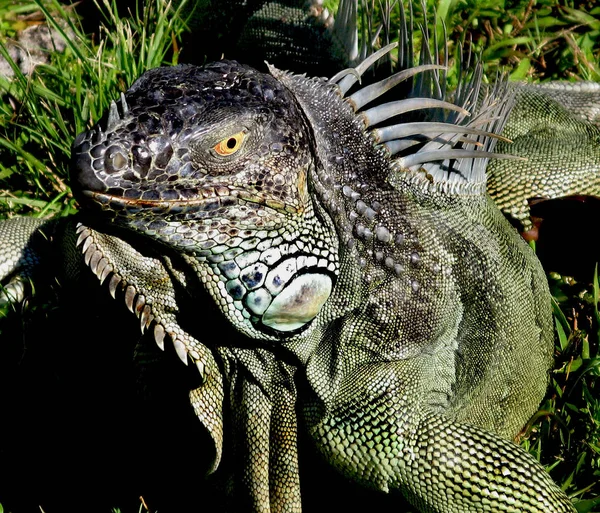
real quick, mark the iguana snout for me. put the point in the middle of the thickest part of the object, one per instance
(198, 146)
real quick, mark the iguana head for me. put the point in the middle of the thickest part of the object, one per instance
(213, 162)
(223, 147)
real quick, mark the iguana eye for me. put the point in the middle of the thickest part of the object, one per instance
(230, 145)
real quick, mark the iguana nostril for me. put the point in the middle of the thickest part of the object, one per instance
(115, 159)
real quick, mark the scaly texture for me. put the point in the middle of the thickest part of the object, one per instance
(19, 254)
(366, 289)
(555, 128)
(292, 34)
(378, 273)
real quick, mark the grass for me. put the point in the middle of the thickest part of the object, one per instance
(535, 40)
(543, 39)
(41, 114)
(565, 433)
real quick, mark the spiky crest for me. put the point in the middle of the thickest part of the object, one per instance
(452, 136)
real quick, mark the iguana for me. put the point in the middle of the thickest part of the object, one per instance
(549, 121)
(365, 290)
(165, 267)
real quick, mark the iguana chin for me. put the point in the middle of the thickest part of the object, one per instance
(366, 289)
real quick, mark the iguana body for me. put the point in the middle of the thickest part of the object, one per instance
(290, 34)
(365, 294)
(389, 314)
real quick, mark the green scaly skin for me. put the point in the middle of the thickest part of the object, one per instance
(555, 128)
(383, 305)
(422, 406)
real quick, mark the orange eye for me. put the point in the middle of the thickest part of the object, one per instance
(230, 145)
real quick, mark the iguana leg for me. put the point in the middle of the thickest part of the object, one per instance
(19, 240)
(385, 439)
(266, 454)
(146, 282)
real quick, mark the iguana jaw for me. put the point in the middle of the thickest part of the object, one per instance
(274, 298)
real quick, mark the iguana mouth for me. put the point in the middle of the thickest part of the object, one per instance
(204, 203)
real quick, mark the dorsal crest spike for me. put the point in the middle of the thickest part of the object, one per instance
(385, 111)
(456, 139)
(458, 131)
(374, 91)
(349, 80)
